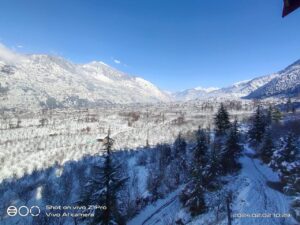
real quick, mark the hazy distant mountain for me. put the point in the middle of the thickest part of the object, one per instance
(237, 90)
(287, 83)
(33, 81)
(244, 88)
(193, 93)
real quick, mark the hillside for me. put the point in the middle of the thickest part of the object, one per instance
(35, 81)
(287, 84)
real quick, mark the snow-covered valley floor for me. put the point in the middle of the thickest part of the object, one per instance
(37, 140)
(66, 143)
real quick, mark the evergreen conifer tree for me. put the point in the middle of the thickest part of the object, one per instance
(289, 106)
(201, 150)
(103, 186)
(165, 153)
(222, 123)
(258, 126)
(267, 148)
(192, 196)
(268, 118)
(289, 152)
(179, 163)
(277, 115)
(232, 149)
(179, 146)
(214, 167)
(288, 165)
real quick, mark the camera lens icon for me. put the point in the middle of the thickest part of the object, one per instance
(12, 211)
(35, 210)
(23, 211)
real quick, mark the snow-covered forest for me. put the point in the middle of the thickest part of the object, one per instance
(197, 162)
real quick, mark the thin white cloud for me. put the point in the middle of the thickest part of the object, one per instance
(117, 61)
(19, 46)
(9, 56)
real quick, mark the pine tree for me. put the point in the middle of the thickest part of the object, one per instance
(192, 195)
(165, 152)
(232, 150)
(201, 150)
(222, 123)
(289, 106)
(267, 148)
(277, 115)
(214, 167)
(154, 182)
(179, 160)
(289, 152)
(102, 188)
(258, 127)
(162, 160)
(286, 162)
(179, 146)
(269, 119)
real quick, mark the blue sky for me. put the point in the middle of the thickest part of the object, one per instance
(176, 44)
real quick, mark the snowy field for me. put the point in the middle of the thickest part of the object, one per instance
(37, 140)
(59, 147)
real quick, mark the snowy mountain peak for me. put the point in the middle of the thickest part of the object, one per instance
(207, 90)
(97, 63)
(41, 80)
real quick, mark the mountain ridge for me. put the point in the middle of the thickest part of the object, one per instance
(285, 83)
(46, 81)
(49, 82)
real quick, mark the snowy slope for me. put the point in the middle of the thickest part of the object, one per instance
(257, 197)
(244, 88)
(31, 81)
(237, 90)
(159, 213)
(287, 83)
(252, 197)
(284, 83)
(255, 203)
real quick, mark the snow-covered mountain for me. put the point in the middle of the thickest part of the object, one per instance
(237, 90)
(33, 81)
(193, 93)
(287, 83)
(244, 88)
